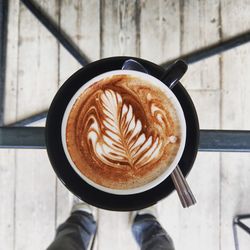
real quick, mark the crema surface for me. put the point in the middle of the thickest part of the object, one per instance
(123, 132)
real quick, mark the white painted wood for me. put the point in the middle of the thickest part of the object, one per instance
(160, 30)
(118, 28)
(199, 224)
(200, 28)
(207, 104)
(38, 63)
(7, 156)
(37, 84)
(235, 173)
(114, 231)
(7, 197)
(80, 21)
(11, 63)
(35, 200)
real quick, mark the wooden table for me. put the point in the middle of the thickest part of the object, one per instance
(34, 202)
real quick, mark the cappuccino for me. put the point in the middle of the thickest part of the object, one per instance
(123, 132)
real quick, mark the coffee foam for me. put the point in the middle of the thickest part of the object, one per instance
(122, 132)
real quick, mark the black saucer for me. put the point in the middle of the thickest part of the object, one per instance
(70, 178)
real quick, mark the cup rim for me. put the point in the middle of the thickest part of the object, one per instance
(180, 116)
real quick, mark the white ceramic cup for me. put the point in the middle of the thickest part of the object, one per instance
(180, 115)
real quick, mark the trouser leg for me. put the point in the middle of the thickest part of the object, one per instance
(150, 235)
(75, 233)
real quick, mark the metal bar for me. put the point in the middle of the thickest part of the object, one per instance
(225, 140)
(29, 120)
(243, 226)
(3, 42)
(236, 240)
(212, 50)
(243, 216)
(210, 140)
(237, 222)
(22, 137)
(57, 32)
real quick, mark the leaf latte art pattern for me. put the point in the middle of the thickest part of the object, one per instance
(116, 134)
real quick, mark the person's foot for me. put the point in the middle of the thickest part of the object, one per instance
(79, 205)
(148, 210)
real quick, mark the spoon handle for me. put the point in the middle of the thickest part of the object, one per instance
(184, 192)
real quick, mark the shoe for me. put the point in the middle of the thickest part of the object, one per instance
(79, 205)
(153, 210)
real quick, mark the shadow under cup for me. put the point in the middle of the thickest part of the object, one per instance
(180, 115)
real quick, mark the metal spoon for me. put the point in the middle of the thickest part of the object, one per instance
(171, 77)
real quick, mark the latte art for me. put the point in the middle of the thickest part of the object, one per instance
(122, 141)
(122, 132)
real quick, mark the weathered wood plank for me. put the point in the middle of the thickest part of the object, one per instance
(235, 173)
(118, 37)
(119, 31)
(37, 79)
(7, 197)
(7, 157)
(114, 231)
(80, 20)
(200, 28)
(37, 84)
(3, 46)
(35, 200)
(11, 63)
(160, 30)
(199, 223)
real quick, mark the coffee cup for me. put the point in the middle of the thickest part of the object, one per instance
(103, 155)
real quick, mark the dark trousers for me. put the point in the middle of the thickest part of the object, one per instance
(75, 233)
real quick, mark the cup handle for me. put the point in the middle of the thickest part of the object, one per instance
(171, 76)
(174, 73)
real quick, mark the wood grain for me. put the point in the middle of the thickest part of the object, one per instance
(200, 28)
(11, 63)
(7, 157)
(80, 21)
(36, 86)
(114, 231)
(160, 30)
(7, 198)
(235, 172)
(202, 220)
(119, 28)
